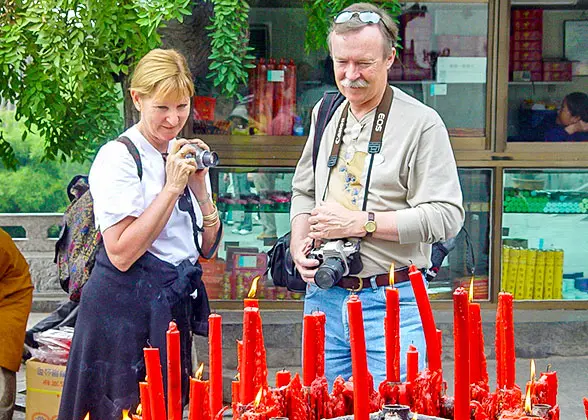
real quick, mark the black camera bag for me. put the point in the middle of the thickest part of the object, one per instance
(280, 263)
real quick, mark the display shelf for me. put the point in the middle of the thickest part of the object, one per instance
(545, 202)
(552, 82)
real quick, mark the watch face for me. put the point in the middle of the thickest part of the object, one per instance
(370, 226)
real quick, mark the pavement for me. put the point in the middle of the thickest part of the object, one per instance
(572, 375)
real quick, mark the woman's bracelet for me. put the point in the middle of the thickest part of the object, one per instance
(211, 216)
(211, 224)
(202, 202)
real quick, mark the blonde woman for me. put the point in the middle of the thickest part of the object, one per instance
(146, 272)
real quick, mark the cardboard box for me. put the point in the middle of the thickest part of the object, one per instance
(527, 25)
(44, 386)
(528, 36)
(527, 46)
(527, 14)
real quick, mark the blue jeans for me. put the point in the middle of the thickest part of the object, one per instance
(333, 302)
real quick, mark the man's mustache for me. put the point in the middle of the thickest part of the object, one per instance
(359, 83)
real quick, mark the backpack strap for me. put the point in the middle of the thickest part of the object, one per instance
(134, 153)
(330, 103)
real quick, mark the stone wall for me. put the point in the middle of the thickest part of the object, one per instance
(37, 247)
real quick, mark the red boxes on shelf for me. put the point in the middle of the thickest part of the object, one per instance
(526, 39)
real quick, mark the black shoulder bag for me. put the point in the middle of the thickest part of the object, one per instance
(279, 260)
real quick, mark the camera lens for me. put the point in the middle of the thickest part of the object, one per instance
(209, 159)
(329, 273)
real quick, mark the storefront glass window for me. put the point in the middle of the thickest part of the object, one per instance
(544, 241)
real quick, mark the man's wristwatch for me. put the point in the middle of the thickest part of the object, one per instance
(370, 225)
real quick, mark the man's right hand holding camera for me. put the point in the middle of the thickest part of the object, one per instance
(300, 246)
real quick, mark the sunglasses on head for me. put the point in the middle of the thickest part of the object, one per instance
(366, 17)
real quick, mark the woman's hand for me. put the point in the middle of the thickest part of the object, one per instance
(577, 127)
(200, 174)
(178, 168)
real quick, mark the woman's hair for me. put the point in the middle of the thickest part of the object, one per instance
(163, 73)
(577, 103)
(387, 26)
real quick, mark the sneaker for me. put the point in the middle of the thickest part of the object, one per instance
(241, 231)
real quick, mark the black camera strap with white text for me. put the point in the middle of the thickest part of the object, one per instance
(374, 146)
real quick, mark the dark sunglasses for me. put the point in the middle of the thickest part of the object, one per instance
(366, 17)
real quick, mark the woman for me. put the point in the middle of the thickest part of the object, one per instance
(147, 267)
(572, 119)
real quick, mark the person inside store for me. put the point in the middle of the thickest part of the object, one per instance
(392, 203)
(572, 119)
(146, 272)
(16, 299)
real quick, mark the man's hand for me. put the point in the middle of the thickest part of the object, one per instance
(333, 221)
(305, 266)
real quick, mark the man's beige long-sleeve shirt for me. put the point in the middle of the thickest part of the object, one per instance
(414, 175)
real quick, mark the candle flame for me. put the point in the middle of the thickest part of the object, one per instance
(125, 415)
(199, 372)
(391, 275)
(471, 289)
(528, 405)
(415, 416)
(253, 289)
(87, 417)
(139, 410)
(258, 397)
(532, 370)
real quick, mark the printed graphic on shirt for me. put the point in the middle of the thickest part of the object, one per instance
(347, 177)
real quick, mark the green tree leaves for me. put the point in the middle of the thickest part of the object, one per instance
(62, 62)
(230, 56)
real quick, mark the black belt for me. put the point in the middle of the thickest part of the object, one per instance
(358, 283)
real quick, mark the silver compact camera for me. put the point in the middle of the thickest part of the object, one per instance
(203, 158)
(338, 258)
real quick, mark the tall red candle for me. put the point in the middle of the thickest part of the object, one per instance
(474, 339)
(199, 400)
(585, 401)
(247, 365)
(412, 363)
(426, 312)
(309, 349)
(320, 324)
(392, 333)
(509, 338)
(283, 378)
(462, 350)
(145, 404)
(155, 381)
(500, 347)
(215, 357)
(174, 373)
(359, 369)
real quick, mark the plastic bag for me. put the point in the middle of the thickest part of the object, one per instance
(54, 345)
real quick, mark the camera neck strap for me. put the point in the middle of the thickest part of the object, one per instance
(374, 146)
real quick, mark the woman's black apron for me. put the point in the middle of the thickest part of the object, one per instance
(120, 313)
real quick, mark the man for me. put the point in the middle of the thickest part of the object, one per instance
(16, 298)
(413, 200)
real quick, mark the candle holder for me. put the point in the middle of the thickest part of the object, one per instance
(541, 410)
(395, 411)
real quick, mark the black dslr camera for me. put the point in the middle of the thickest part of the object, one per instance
(338, 258)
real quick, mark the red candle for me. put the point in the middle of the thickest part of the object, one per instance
(199, 400)
(309, 350)
(320, 322)
(361, 410)
(547, 388)
(392, 332)
(500, 347)
(424, 305)
(440, 337)
(474, 339)
(174, 373)
(247, 366)
(585, 400)
(509, 339)
(145, 404)
(412, 363)
(215, 357)
(462, 350)
(155, 381)
(235, 390)
(282, 378)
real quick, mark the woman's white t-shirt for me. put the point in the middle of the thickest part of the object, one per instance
(118, 193)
